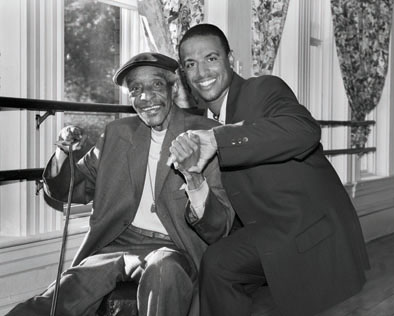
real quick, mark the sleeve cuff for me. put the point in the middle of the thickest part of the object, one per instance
(198, 198)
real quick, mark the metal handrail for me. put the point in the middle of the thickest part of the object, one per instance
(51, 107)
(36, 173)
(21, 174)
(7, 104)
(334, 123)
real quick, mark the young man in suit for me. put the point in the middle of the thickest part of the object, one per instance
(150, 223)
(300, 232)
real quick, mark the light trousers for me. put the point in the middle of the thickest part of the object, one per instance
(166, 277)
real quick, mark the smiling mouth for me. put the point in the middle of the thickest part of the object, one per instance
(151, 109)
(206, 83)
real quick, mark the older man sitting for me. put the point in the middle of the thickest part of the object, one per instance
(150, 223)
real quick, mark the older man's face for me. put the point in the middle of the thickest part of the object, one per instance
(151, 95)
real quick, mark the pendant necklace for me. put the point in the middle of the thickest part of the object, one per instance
(153, 206)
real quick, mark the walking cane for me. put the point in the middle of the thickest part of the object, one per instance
(64, 239)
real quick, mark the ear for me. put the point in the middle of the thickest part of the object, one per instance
(231, 59)
(181, 95)
(175, 88)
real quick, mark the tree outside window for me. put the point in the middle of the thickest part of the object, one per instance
(92, 46)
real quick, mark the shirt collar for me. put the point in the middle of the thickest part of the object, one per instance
(222, 114)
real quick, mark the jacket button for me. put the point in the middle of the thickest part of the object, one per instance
(245, 139)
(233, 142)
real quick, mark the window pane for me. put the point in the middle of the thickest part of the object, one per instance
(92, 34)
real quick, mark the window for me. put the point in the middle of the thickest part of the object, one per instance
(91, 57)
(93, 46)
(41, 64)
(312, 71)
(92, 37)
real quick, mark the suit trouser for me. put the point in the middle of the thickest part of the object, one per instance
(230, 272)
(166, 277)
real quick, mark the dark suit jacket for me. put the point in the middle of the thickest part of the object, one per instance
(113, 173)
(276, 176)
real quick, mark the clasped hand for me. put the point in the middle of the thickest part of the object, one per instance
(192, 150)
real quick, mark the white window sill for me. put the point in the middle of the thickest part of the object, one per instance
(77, 225)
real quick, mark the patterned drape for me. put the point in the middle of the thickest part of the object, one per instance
(362, 34)
(156, 30)
(168, 20)
(181, 15)
(268, 19)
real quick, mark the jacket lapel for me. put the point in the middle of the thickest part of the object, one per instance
(163, 173)
(235, 86)
(174, 129)
(137, 158)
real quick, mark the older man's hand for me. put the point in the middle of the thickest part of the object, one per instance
(70, 135)
(202, 154)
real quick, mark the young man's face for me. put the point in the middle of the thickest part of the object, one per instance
(207, 66)
(151, 95)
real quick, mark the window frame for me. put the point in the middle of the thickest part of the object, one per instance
(38, 56)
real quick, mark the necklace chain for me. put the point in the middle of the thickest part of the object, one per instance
(153, 207)
(155, 140)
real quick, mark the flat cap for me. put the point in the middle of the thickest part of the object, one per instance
(145, 59)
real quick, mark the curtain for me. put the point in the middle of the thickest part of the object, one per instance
(362, 35)
(181, 15)
(156, 27)
(168, 20)
(268, 19)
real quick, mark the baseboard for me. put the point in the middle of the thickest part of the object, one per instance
(374, 202)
